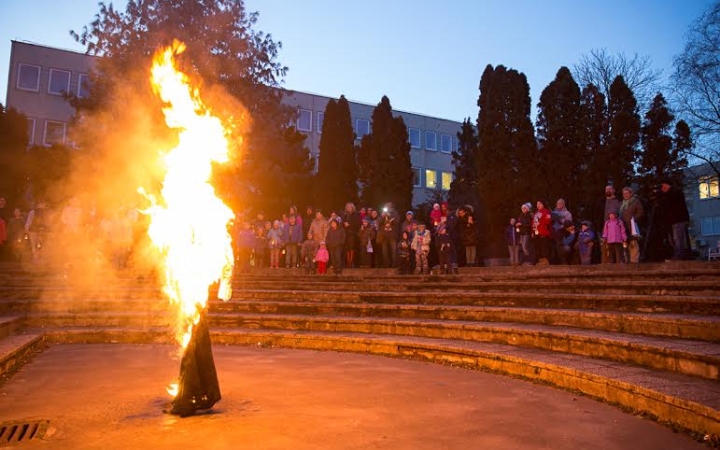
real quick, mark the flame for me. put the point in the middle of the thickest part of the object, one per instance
(189, 222)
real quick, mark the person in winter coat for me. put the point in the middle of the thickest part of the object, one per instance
(542, 230)
(603, 207)
(387, 235)
(469, 235)
(435, 216)
(351, 225)
(566, 244)
(512, 237)
(445, 249)
(275, 244)
(321, 258)
(403, 253)
(307, 253)
(261, 246)
(366, 236)
(245, 245)
(585, 242)
(292, 237)
(523, 226)
(631, 212)
(335, 241)
(421, 244)
(675, 217)
(614, 237)
(319, 227)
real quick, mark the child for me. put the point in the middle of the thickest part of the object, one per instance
(444, 249)
(403, 254)
(307, 253)
(435, 215)
(275, 244)
(584, 243)
(321, 258)
(421, 244)
(260, 247)
(512, 236)
(615, 238)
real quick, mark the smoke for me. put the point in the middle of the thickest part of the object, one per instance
(96, 234)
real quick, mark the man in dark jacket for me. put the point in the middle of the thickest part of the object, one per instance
(675, 217)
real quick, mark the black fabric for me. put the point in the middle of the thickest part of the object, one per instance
(198, 386)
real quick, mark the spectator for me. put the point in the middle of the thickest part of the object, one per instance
(261, 247)
(566, 244)
(17, 239)
(275, 244)
(542, 229)
(604, 206)
(675, 217)
(292, 237)
(308, 251)
(366, 236)
(615, 238)
(308, 219)
(421, 244)
(435, 215)
(351, 225)
(523, 226)
(388, 235)
(37, 228)
(403, 253)
(335, 241)
(512, 237)
(319, 227)
(469, 235)
(631, 212)
(585, 242)
(245, 246)
(445, 249)
(560, 215)
(321, 258)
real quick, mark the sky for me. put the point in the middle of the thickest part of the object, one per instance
(427, 56)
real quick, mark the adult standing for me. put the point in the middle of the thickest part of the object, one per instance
(604, 206)
(387, 236)
(351, 225)
(560, 215)
(469, 235)
(542, 229)
(319, 227)
(307, 219)
(524, 225)
(631, 211)
(675, 217)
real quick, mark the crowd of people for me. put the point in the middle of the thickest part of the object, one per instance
(379, 238)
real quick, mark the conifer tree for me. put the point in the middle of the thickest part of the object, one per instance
(624, 133)
(384, 160)
(336, 180)
(464, 188)
(559, 132)
(663, 146)
(594, 159)
(507, 149)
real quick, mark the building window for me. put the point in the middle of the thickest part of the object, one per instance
(430, 179)
(416, 177)
(414, 137)
(708, 187)
(304, 121)
(710, 226)
(430, 140)
(59, 82)
(446, 143)
(362, 128)
(320, 118)
(446, 180)
(83, 86)
(31, 131)
(28, 77)
(54, 133)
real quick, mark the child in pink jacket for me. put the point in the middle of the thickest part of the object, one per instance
(321, 258)
(615, 238)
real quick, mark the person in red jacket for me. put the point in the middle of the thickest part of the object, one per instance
(542, 230)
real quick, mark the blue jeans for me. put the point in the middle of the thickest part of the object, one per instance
(680, 238)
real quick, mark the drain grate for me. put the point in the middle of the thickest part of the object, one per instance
(17, 432)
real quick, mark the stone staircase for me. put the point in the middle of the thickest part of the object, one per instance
(646, 338)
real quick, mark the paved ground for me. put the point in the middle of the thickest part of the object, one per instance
(112, 396)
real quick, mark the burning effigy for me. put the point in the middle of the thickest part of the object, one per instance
(188, 226)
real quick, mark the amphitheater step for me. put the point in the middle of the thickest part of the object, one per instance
(16, 350)
(10, 323)
(690, 402)
(683, 356)
(704, 328)
(101, 319)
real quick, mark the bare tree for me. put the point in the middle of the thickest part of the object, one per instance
(696, 85)
(600, 68)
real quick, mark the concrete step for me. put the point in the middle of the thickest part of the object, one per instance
(10, 323)
(689, 402)
(607, 302)
(704, 328)
(101, 319)
(655, 287)
(674, 355)
(16, 350)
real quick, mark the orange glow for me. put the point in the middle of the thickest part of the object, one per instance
(188, 221)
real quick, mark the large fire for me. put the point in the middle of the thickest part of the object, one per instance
(189, 222)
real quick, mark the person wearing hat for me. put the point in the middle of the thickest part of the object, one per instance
(675, 218)
(609, 203)
(631, 212)
(366, 236)
(566, 242)
(585, 242)
(615, 238)
(321, 258)
(523, 226)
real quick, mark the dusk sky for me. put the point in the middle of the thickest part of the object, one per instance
(426, 56)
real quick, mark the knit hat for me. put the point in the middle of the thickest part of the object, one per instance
(568, 224)
(410, 213)
(612, 211)
(527, 205)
